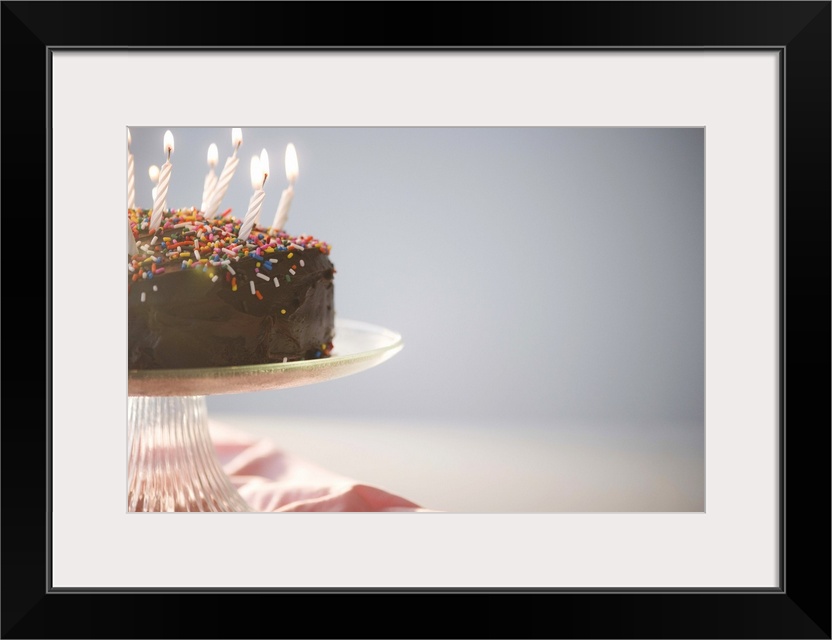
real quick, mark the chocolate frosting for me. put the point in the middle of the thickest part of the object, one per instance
(205, 314)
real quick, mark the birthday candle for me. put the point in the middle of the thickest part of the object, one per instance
(282, 213)
(225, 176)
(131, 175)
(259, 173)
(210, 179)
(153, 173)
(162, 187)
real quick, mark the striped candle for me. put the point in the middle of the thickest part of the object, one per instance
(211, 179)
(282, 213)
(131, 175)
(162, 188)
(259, 173)
(225, 176)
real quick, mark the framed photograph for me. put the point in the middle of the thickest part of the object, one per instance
(681, 153)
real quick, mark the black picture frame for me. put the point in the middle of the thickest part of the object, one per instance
(798, 608)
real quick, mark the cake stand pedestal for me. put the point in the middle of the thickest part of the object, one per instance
(172, 465)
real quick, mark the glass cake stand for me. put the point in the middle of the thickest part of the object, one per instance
(172, 465)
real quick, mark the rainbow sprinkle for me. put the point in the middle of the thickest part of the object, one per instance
(185, 238)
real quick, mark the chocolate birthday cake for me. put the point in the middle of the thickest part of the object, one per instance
(198, 296)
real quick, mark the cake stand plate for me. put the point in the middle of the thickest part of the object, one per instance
(172, 465)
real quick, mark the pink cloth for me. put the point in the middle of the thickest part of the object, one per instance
(270, 479)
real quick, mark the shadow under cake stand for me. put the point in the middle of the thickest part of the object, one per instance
(172, 465)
